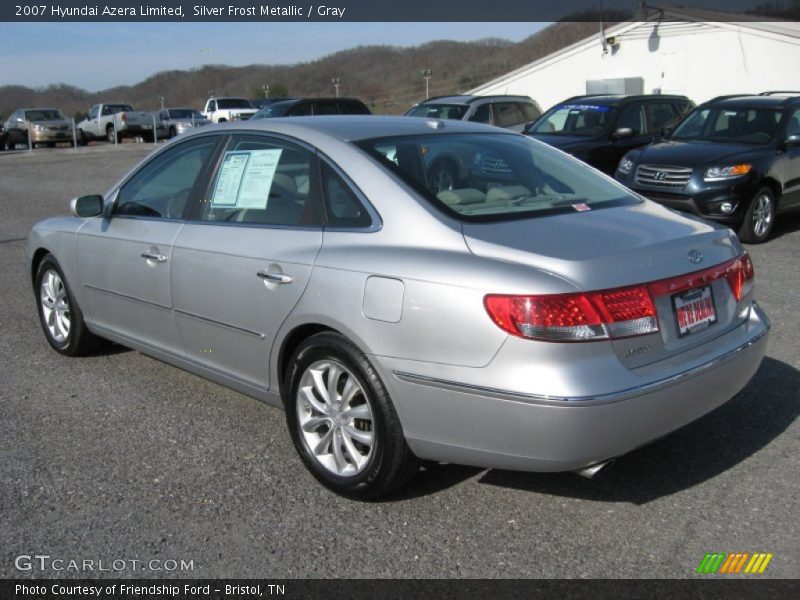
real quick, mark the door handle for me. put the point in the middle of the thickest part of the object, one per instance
(159, 258)
(275, 277)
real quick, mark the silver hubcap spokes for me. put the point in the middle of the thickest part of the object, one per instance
(762, 215)
(55, 306)
(335, 418)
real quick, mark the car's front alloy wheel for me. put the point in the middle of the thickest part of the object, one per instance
(342, 420)
(60, 316)
(759, 218)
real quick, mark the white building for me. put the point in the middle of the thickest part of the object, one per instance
(672, 51)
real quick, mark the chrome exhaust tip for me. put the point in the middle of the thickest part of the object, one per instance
(592, 470)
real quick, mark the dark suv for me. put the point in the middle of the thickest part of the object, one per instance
(509, 112)
(305, 107)
(734, 159)
(599, 130)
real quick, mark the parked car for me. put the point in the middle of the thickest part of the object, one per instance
(509, 112)
(114, 122)
(734, 160)
(175, 121)
(262, 102)
(549, 324)
(2, 135)
(47, 126)
(599, 130)
(220, 110)
(304, 107)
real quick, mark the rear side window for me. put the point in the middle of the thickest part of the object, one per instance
(301, 110)
(326, 108)
(162, 187)
(262, 181)
(343, 208)
(353, 108)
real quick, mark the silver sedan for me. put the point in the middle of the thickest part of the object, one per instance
(531, 314)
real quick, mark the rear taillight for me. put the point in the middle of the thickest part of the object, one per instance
(575, 317)
(123, 117)
(606, 314)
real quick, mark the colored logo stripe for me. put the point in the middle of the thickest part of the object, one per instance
(734, 563)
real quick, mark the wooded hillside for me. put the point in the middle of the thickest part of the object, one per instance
(387, 78)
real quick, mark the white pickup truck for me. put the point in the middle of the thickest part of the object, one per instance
(219, 110)
(105, 121)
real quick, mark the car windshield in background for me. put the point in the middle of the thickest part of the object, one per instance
(741, 125)
(184, 113)
(44, 115)
(233, 103)
(502, 176)
(438, 111)
(574, 119)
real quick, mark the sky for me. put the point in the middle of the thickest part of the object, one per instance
(97, 56)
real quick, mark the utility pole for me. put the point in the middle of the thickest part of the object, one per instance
(336, 81)
(426, 75)
(163, 101)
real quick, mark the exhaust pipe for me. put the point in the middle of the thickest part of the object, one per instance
(592, 470)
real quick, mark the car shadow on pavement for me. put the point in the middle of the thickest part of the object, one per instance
(784, 224)
(687, 457)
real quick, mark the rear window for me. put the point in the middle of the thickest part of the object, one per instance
(491, 177)
(439, 111)
(233, 103)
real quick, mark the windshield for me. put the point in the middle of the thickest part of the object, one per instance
(233, 103)
(44, 114)
(438, 111)
(489, 177)
(741, 125)
(574, 119)
(184, 113)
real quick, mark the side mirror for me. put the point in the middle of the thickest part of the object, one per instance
(86, 206)
(623, 132)
(792, 140)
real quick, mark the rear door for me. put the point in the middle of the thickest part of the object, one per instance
(243, 260)
(791, 177)
(125, 260)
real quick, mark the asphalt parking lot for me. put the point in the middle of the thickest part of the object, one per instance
(118, 456)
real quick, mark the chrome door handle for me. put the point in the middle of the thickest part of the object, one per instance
(275, 277)
(160, 258)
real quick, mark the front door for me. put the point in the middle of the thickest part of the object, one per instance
(243, 260)
(125, 258)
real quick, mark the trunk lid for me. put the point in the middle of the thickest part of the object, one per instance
(618, 247)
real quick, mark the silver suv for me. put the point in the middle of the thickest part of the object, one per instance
(510, 112)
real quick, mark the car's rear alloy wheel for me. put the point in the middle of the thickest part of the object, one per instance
(342, 421)
(59, 314)
(758, 219)
(443, 177)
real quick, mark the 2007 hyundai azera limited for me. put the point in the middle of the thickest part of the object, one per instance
(534, 315)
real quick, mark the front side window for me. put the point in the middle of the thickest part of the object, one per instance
(508, 114)
(95, 112)
(740, 125)
(507, 176)
(262, 181)
(574, 119)
(632, 118)
(162, 187)
(659, 114)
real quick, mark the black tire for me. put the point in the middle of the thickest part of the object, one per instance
(389, 463)
(82, 141)
(759, 218)
(78, 339)
(172, 132)
(110, 135)
(443, 176)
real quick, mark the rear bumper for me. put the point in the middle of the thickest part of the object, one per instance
(487, 427)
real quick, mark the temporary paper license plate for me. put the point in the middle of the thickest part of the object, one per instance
(694, 310)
